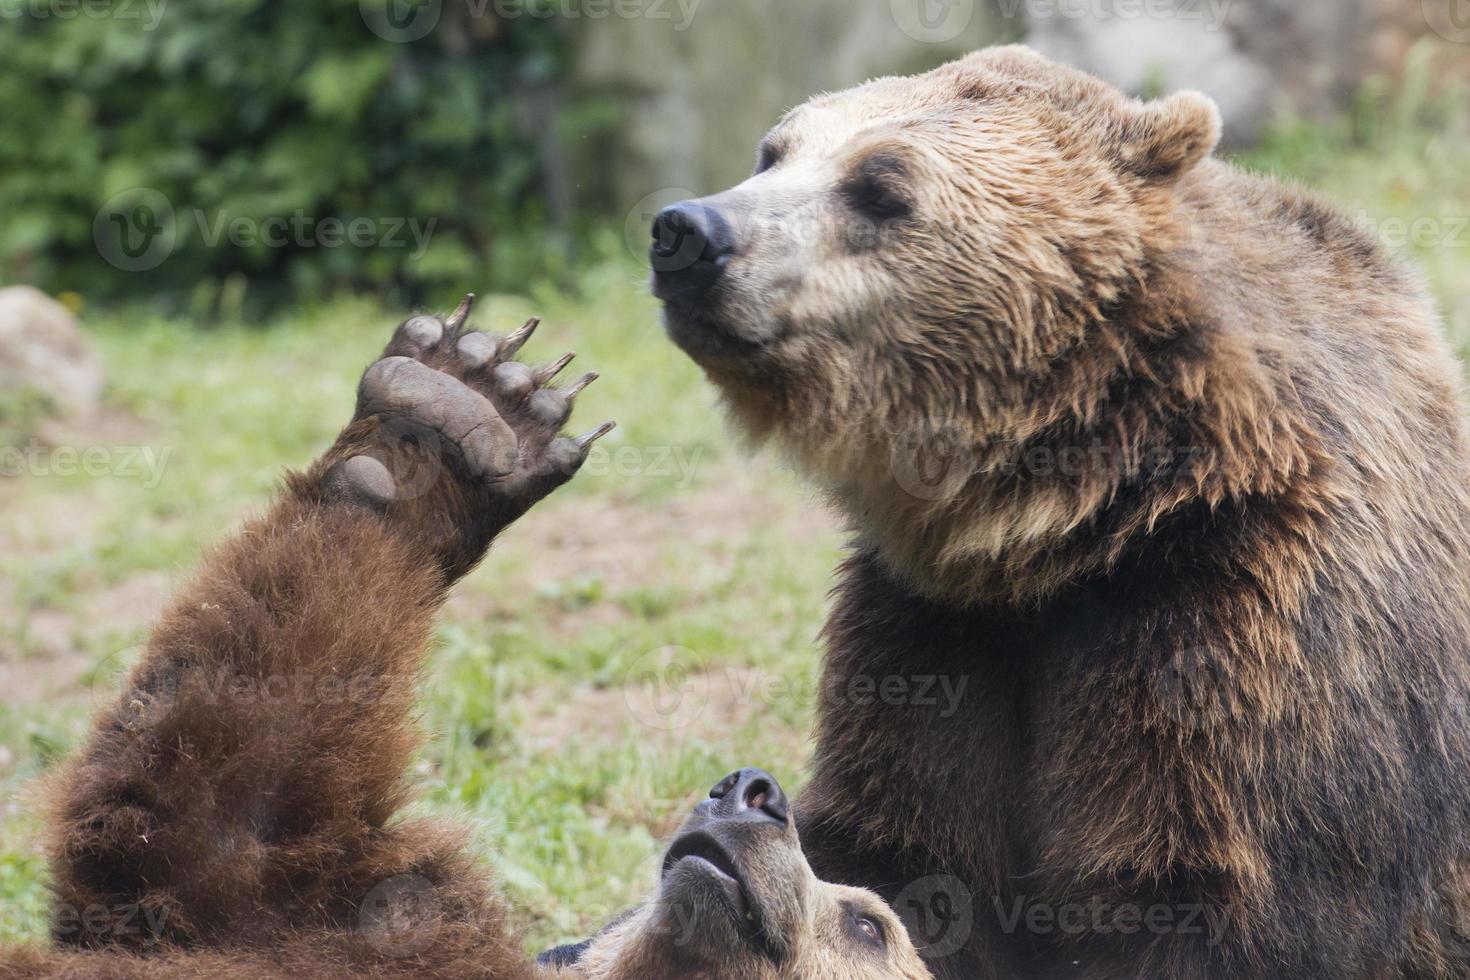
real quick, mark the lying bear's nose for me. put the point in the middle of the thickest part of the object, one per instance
(691, 241)
(749, 793)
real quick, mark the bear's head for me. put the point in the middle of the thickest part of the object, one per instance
(923, 277)
(738, 901)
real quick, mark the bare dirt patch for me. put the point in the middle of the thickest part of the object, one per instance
(661, 709)
(48, 652)
(624, 545)
(58, 660)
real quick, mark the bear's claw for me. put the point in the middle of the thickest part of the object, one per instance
(581, 383)
(550, 371)
(586, 439)
(513, 344)
(461, 315)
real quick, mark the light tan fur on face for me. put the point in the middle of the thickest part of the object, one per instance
(975, 326)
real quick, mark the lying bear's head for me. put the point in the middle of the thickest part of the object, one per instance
(738, 901)
(908, 267)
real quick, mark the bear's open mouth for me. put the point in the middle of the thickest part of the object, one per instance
(700, 850)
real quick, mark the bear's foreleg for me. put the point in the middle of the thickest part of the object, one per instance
(242, 788)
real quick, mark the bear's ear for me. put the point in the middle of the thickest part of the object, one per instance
(1167, 137)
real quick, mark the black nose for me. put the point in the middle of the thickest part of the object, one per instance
(691, 239)
(749, 793)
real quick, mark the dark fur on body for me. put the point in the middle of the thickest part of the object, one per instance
(1237, 682)
(1245, 686)
(242, 793)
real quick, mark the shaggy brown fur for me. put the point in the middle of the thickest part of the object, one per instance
(1166, 464)
(234, 814)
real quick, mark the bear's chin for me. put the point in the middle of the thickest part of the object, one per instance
(715, 325)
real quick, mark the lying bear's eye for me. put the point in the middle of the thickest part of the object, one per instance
(866, 929)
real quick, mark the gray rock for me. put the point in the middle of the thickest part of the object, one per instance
(42, 347)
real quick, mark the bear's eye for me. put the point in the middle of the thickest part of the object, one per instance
(767, 156)
(877, 188)
(866, 929)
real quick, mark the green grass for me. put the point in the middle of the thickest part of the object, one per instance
(556, 737)
(570, 823)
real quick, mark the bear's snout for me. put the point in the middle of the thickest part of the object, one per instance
(692, 244)
(750, 794)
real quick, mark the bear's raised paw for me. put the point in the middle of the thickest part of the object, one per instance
(450, 428)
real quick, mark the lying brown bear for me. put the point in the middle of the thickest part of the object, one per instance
(233, 815)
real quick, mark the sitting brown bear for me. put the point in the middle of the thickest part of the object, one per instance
(232, 814)
(1164, 465)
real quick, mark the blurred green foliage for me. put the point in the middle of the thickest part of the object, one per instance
(236, 142)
